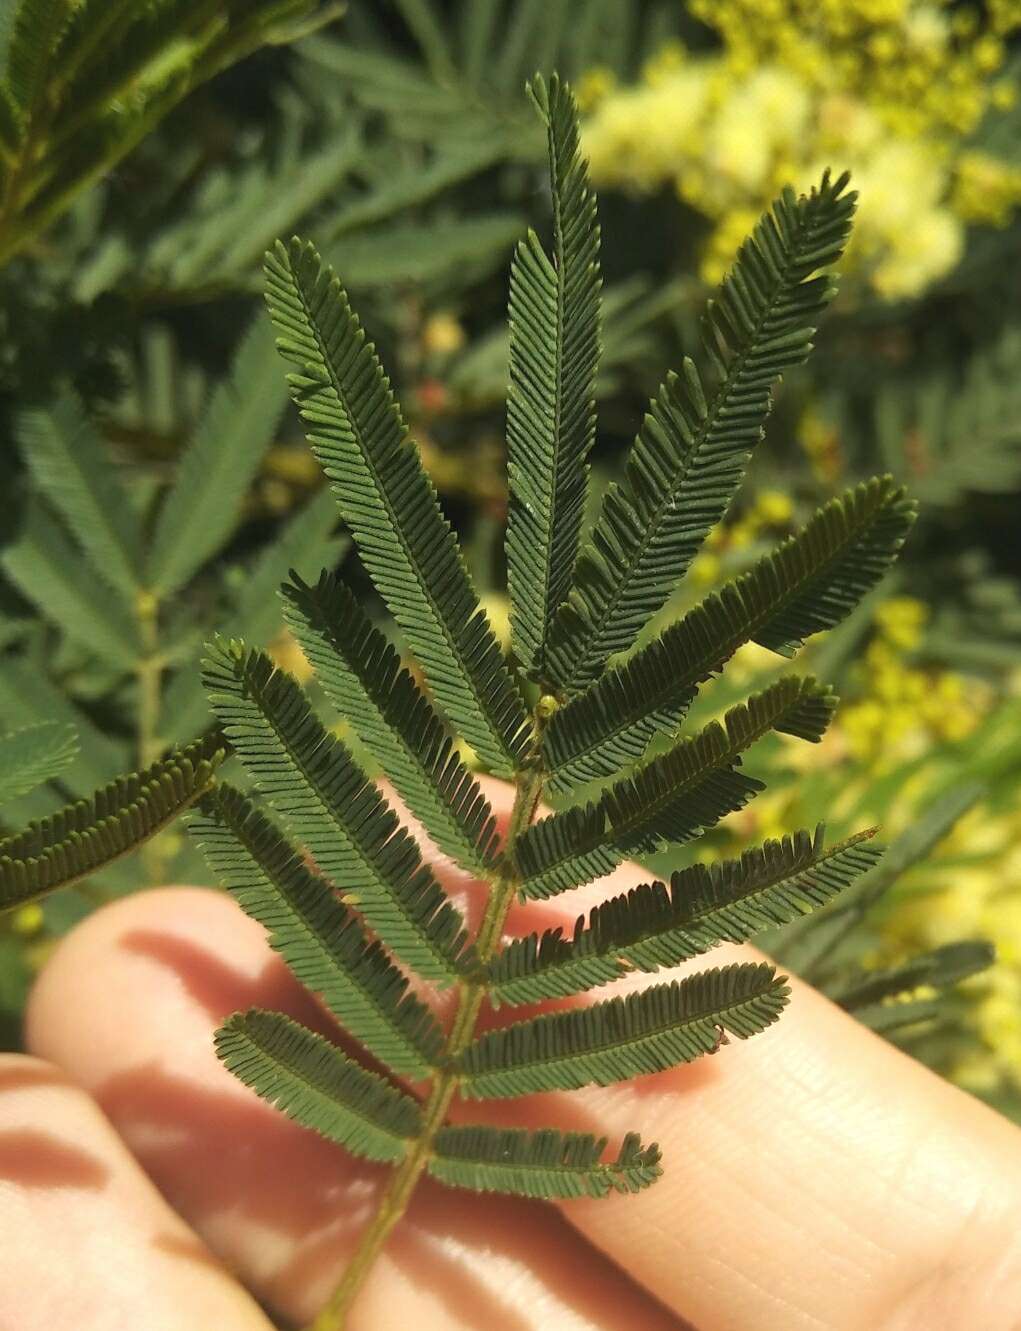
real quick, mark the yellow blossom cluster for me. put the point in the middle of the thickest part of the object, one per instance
(900, 710)
(900, 716)
(886, 88)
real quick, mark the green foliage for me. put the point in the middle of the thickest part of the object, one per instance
(116, 569)
(313, 1082)
(86, 836)
(807, 584)
(389, 503)
(340, 865)
(543, 1164)
(695, 443)
(34, 754)
(84, 83)
(621, 1038)
(320, 939)
(362, 677)
(658, 925)
(551, 420)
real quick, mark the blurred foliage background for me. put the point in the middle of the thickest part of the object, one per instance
(156, 486)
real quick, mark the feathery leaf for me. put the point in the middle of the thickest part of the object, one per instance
(807, 584)
(388, 501)
(650, 1031)
(47, 568)
(333, 810)
(657, 925)
(218, 466)
(86, 836)
(38, 28)
(33, 754)
(692, 450)
(316, 1084)
(554, 355)
(66, 456)
(545, 1164)
(320, 939)
(361, 675)
(673, 797)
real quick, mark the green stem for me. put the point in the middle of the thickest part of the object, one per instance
(333, 1316)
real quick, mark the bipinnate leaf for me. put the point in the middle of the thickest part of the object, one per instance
(649, 1031)
(67, 458)
(316, 1084)
(389, 503)
(322, 942)
(673, 797)
(660, 925)
(810, 582)
(46, 566)
(691, 452)
(230, 441)
(333, 811)
(554, 355)
(37, 30)
(546, 1164)
(361, 674)
(85, 837)
(34, 754)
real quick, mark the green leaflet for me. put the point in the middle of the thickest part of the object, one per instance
(656, 925)
(554, 355)
(319, 938)
(543, 1164)
(33, 754)
(215, 471)
(38, 27)
(316, 1084)
(334, 811)
(306, 543)
(673, 797)
(807, 584)
(650, 1031)
(388, 501)
(692, 450)
(361, 675)
(67, 459)
(86, 836)
(47, 568)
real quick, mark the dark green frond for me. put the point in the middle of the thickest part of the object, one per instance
(316, 1084)
(388, 501)
(546, 1164)
(84, 837)
(673, 797)
(38, 28)
(362, 676)
(809, 583)
(33, 754)
(942, 968)
(692, 450)
(67, 458)
(658, 925)
(322, 942)
(216, 469)
(650, 1031)
(334, 812)
(554, 354)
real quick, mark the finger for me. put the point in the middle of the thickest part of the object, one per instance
(814, 1176)
(87, 1241)
(127, 1006)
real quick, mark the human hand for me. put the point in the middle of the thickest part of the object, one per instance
(815, 1177)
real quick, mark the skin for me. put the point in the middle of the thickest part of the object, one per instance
(815, 1177)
